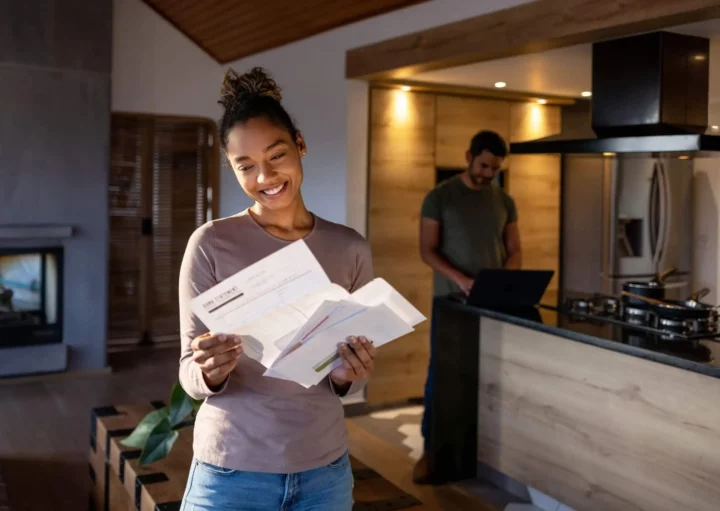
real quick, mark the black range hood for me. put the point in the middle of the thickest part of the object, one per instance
(650, 95)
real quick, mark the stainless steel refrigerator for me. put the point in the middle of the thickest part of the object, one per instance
(626, 217)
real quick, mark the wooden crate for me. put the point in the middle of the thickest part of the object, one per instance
(120, 484)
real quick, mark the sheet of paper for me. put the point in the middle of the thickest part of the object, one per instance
(318, 355)
(379, 291)
(268, 301)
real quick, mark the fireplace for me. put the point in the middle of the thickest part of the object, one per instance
(30, 296)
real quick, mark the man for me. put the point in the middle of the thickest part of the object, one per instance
(468, 224)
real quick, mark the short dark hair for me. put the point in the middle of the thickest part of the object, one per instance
(488, 141)
(251, 95)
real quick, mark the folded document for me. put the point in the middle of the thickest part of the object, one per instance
(292, 318)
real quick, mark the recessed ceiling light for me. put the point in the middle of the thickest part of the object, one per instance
(500, 85)
(608, 154)
(406, 88)
(683, 157)
(586, 94)
(715, 128)
(700, 57)
(542, 101)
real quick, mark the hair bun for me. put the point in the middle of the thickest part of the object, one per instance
(257, 81)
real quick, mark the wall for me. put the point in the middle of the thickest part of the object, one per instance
(54, 141)
(157, 70)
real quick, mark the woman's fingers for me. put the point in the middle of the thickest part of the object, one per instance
(361, 346)
(215, 342)
(351, 360)
(222, 370)
(218, 360)
(369, 347)
(209, 345)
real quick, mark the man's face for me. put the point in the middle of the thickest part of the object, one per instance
(483, 168)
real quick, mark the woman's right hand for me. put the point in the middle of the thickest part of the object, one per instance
(217, 355)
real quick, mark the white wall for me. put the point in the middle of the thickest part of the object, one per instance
(156, 69)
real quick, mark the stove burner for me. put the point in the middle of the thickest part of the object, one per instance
(704, 325)
(611, 310)
(596, 305)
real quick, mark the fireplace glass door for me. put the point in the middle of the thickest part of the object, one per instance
(30, 296)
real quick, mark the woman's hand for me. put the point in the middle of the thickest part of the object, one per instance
(358, 362)
(217, 355)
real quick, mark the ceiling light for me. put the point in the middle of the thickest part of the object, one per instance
(542, 101)
(500, 85)
(406, 88)
(608, 154)
(683, 157)
(700, 57)
(586, 94)
(715, 128)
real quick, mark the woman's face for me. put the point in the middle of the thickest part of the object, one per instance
(266, 162)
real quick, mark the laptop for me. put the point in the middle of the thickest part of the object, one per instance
(509, 288)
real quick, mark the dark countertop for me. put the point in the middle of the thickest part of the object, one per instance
(696, 356)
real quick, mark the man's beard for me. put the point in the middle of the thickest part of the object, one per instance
(480, 180)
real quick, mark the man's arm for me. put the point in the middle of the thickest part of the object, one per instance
(512, 247)
(430, 254)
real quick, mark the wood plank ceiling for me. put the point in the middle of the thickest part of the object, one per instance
(231, 29)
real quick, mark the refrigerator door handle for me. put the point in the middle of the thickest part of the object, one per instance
(654, 214)
(610, 186)
(665, 213)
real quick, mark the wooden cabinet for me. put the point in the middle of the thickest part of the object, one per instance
(459, 119)
(533, 181)
(402, 171)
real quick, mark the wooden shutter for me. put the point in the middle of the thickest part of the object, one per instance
(161, 172)
(125, 210)
(179, 205)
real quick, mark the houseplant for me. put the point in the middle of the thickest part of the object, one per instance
(157, 432)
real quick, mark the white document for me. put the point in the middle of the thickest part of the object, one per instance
(318, 355)
(292, 318)
(268, 301)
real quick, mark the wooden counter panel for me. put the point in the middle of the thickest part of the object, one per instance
(596, 429)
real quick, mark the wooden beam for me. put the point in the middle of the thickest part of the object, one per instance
(532, 27)
(471, 92)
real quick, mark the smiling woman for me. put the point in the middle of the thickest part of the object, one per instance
(263, 443)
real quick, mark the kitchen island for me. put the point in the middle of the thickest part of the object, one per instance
(593, 415)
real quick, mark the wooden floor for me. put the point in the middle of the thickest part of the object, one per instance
(45, 428)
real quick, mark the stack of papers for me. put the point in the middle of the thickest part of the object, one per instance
(292, 318)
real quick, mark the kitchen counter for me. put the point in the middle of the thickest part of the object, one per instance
(589, 414)
(696, 356)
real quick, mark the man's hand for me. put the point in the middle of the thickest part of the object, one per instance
(358, 362)
(465, 283)
(217, 355)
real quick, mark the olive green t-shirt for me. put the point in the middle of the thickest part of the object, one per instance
(472, 227)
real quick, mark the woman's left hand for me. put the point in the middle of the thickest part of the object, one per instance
(358, 362)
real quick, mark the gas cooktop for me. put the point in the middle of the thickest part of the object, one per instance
(611, 310)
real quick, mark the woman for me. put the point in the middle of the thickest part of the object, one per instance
(263, 443)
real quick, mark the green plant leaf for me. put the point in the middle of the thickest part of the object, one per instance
(196, 403)
(180, 405)
(140, 434)
(159, 443)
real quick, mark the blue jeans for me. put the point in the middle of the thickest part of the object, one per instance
(211, 488)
